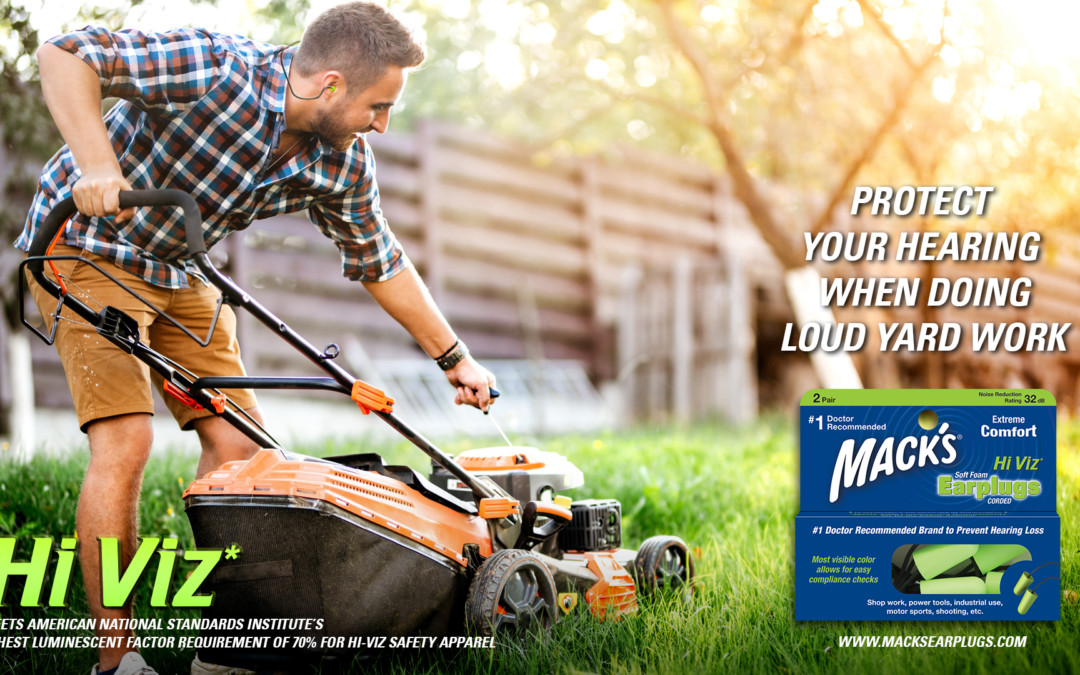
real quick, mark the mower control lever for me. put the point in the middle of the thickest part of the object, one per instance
(118, 328)
(494, 394)
(558, 518)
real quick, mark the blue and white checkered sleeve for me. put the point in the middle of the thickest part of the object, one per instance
(354, 221)
(159, 72)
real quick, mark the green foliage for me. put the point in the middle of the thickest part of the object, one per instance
(472, 75)
(26, 129)
(804, 85)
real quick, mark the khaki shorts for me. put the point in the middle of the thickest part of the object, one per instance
(104, 380)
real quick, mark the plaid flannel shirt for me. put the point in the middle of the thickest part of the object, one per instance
(202, 112)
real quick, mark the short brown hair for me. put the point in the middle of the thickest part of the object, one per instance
(360, 39)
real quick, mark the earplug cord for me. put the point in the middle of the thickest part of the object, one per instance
(281, 60)
(1032, 572)
(1043, 582)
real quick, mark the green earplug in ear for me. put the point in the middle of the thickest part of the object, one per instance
(993, 582)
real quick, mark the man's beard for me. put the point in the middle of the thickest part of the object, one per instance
(331, 129)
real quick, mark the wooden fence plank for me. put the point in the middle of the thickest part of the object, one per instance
(318, 274)
(501, 346)
(646, 185)
(508, 151)
(656, 223)
(431, 237)
(674, 167)
(621, 248)
(682, 340)
(493, 279)
(403, 216)
(739, 374)
(627, 342)
(502, 316)
(480, 207)
(516, 249)
(531, 182)
(398, 180)
(401, 148)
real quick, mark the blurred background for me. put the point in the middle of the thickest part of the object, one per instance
(605, 196)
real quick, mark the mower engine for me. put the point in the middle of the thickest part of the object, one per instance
(597, 526)
(527, 474)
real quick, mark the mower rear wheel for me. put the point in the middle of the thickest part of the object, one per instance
(664, 564)
(512, 592)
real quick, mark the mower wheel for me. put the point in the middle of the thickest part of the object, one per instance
(664, 564)
(512, 592)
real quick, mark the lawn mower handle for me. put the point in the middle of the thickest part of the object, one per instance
(65, 208)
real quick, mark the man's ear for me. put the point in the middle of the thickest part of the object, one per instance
(334, 82)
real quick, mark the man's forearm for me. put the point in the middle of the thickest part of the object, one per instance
(73, 93)
(406, 298)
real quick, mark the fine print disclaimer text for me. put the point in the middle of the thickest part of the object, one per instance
(177, 634)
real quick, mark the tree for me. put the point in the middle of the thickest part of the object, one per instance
(810, 94)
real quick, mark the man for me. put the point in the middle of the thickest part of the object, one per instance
(251, 131)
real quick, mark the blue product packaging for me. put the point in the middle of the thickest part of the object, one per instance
(928, 505)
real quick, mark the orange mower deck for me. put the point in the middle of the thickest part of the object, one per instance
(379, 499)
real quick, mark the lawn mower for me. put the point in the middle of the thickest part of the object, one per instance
(343, 550)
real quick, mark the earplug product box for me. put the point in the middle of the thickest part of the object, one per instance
(928, 505)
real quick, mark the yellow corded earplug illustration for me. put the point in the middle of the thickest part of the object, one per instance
(1030, 595)
(1022, 583)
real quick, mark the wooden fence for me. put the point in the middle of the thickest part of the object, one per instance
(528, 258)
(524, 256)
(685, 343)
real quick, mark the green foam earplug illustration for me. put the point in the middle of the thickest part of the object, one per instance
(1029, 593)
(992, 556)
(1022, 583)
(938, 558)
(953, 586)
(1027, 601)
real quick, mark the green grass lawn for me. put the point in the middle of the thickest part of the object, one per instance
(730, 494)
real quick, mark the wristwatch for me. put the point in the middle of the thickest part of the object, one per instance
(453, 356)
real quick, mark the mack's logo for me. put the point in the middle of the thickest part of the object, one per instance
(892, 455)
